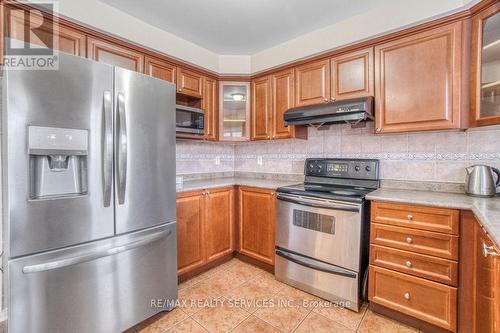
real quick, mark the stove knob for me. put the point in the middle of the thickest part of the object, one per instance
(368, 168)
(357, 168)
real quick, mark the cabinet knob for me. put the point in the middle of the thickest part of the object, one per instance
(180, 89)
(489, 251)
(268, 136)
(408, 264)
(272, 193)
(332, 99)
(325, 99)
(409, 240)
(407, 296)
(378, 130)
(410, 217)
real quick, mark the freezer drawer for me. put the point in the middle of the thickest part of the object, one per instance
(105, 286)
(326, 281)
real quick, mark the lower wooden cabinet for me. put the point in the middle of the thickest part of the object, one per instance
(257, 223)
(205, 227)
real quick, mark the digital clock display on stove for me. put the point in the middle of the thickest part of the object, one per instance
(336, 167)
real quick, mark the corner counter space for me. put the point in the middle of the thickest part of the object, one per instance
(210, 183)
(487, 210)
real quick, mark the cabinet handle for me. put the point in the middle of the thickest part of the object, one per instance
(408, 264)
(325, 99)
(407, 296)
(489, 251)
(180, 89)
(268, 136)
(409, 240)
(410, 217)
(378, 130)
(332, 99)
(272, 193)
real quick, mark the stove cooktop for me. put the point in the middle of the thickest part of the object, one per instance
(348, 194)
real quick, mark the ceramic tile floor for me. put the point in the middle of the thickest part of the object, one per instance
(238, 297)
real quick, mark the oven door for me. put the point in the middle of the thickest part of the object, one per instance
(325, 230)
(189, 120)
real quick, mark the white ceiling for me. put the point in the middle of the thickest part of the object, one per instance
(242, 27)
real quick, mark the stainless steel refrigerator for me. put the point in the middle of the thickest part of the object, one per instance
(88, 197)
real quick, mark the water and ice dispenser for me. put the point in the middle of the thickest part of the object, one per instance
(58, 162)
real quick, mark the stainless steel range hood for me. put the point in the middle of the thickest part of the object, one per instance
(350, 111)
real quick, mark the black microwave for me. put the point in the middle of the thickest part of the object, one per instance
(189, 120)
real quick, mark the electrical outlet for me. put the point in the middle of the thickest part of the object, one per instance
(217, 160)
(259, 160)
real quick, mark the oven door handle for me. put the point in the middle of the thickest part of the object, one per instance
(318, 204)
(327, 268)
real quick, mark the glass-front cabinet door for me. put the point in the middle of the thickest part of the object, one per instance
(234, 111)
(485, 74)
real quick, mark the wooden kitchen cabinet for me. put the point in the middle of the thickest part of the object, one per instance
(55, 36)
(352, 75)
(261, 109)
(485, 67)
(312, 83)
(159, 69)
(418, 81)
(272, 96)
(190, 221)
(205, 227)
(113, 54)
(189, 83)
(257, 223)
(210, 105)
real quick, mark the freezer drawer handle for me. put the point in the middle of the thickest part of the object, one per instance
(317, 204)
(107, 148)
(295, 259)
(93, 255)
(122, 149)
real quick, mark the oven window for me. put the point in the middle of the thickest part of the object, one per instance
(314, 221)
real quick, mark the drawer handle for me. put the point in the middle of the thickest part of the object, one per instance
(410, 217)
(407, 296)
(408, 264)
(409, 240)
(489, 251)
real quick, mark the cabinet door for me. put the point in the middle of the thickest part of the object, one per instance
(159, 69)
(352, 75)
(211, 108)
(257, 223)
(487, 288)
(261, 109)
(485, 67)
(190, 238)
(312, 83)
(113, 54)
(54, 36)
(418, 81)
(189, 83)
(218, 223)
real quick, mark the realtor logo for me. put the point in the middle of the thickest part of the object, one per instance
(32, 37)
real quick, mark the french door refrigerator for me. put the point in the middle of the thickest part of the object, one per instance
(88, 173)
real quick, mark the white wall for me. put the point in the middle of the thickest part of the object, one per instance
(371, 23)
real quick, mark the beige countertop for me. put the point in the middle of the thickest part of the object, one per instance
(487, 210)
(196, 185)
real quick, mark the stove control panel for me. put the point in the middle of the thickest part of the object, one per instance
(342, 168)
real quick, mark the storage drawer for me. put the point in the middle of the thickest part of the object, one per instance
(429, 301)
(417, 217)
(421, 265)
(425, 242)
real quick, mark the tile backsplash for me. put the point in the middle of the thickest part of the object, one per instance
(430, 156)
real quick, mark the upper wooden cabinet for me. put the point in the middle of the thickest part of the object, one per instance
(211, 108)
(261, 114)
(271, 96)
(113, 54)
(312, 83)
(352, 75)
(159, 69)
(485, 67)
(257, 223)
(234, 111)
(52, 35)
(418, 81)
(189, 83)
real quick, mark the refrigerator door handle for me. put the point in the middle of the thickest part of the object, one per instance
(107, 148)
(122, 149)
(96, 254)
